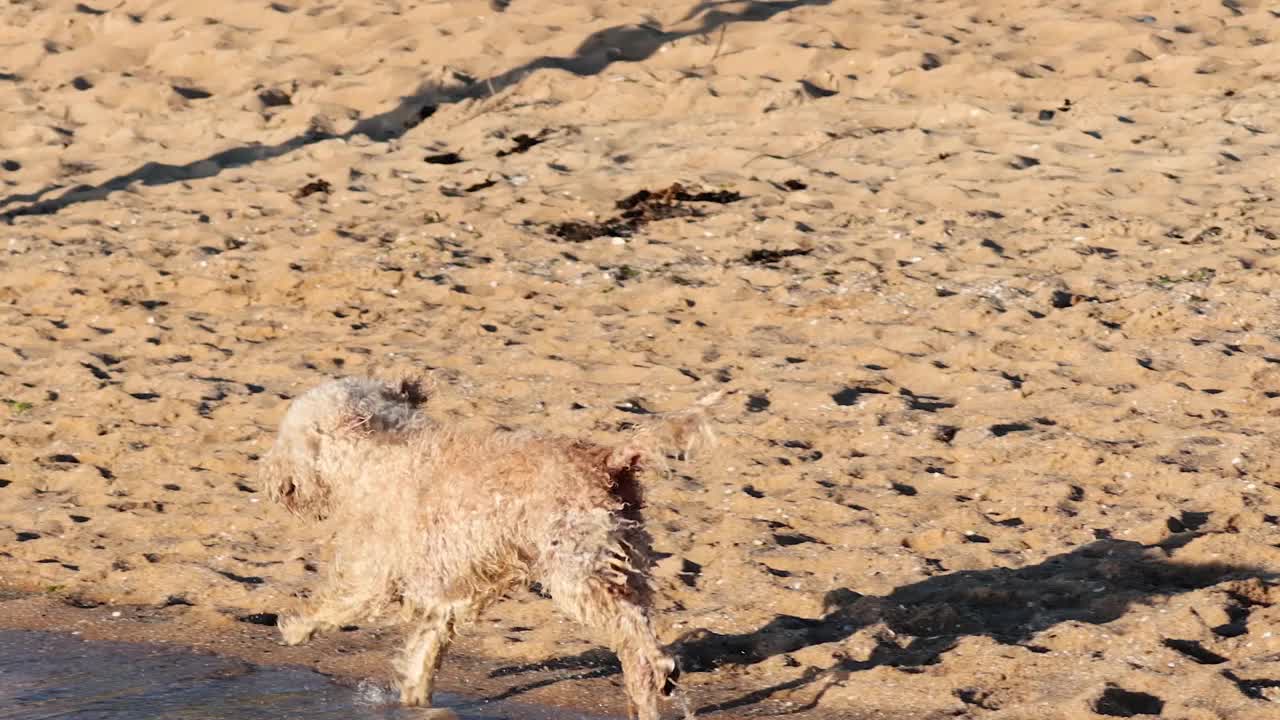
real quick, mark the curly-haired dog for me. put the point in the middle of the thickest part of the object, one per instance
(444, 522)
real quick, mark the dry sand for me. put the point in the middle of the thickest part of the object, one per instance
(999, 298)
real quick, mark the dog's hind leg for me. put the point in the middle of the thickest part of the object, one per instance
(606, 600)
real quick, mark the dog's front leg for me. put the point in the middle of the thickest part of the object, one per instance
(423, 653)
(337, 607)
(295, 629)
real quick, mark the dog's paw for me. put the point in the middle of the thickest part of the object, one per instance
(668, 676)
(294, 630)
(415, 698)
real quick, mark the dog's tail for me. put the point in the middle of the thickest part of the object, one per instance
(681, 432)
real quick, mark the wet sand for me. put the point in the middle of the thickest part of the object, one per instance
(995, 283)
(51, 674)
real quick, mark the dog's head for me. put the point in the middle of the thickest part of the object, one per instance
(321, 424)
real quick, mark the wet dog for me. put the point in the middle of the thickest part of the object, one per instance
(442, 523)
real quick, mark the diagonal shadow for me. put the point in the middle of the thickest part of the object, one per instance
(621, 43)
(1095, 584)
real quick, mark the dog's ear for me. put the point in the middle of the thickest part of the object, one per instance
(275, 476)
(291, 477)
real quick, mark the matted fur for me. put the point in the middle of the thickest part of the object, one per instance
(443, 523)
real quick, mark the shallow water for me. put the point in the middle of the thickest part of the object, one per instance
(51, 675)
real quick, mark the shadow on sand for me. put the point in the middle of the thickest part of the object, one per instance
(1094, 584)
(622, 43)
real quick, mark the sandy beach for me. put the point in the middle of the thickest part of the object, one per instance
(994, 284)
